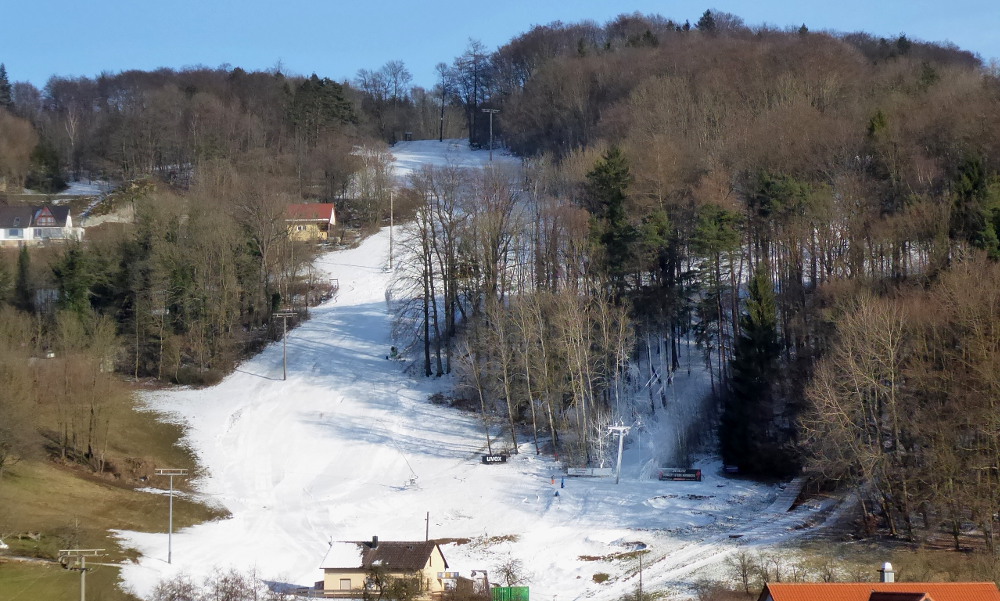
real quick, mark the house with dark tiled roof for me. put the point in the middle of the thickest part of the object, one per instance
(23, 224)
(352, 566)
(310, 221)
(886, 590)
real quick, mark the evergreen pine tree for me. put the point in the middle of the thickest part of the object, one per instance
(706, 23)
(6, 282)
(6, 93)
(318, 105)
(972, 214)
(607, 189)
(45, 175)
(903, 44)
(74, 274)
(747, 431)
(24, 295)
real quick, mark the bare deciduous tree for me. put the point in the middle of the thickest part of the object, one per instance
(17, 140)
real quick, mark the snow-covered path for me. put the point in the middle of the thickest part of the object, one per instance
(349, 447)
(411, 156)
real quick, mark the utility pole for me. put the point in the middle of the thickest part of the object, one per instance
(441, 122)
(442, 70)
(427, 531)
(640, 575)
(621, 431)
(284, 315)
(170, 523)
(80, 555)
(491, 112)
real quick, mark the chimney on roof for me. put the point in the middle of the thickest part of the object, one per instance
(374, 542)
(886, 574)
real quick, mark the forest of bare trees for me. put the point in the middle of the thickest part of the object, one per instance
(817, 212)
(779, 197)
(205, 162)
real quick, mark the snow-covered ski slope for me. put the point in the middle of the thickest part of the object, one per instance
(349, 447)
(411, 156)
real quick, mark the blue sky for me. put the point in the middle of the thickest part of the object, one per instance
(335, 38)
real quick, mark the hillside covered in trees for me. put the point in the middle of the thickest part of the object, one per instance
(798, 203)
(819, 212)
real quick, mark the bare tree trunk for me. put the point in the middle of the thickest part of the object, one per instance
(426, 301)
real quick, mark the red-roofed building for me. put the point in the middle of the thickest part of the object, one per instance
(880, 591)
(310, 222)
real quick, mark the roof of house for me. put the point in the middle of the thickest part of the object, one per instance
(15, 216)
(27, 216)
(342, 554)
(403, 556)
(311, 211)
(876, 591)
(59, 213)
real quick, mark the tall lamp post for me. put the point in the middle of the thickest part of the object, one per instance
(170, 524)
(491, 113)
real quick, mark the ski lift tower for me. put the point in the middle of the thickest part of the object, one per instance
(621, 431)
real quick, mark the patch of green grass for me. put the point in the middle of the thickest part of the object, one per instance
(46, 506)
(38, 582)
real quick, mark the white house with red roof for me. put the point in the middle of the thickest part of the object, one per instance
(22, 224)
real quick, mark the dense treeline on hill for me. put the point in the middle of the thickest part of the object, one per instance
(204, 163)
(819, 212)
(135, 124)
(131, 124)
(777, 196)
